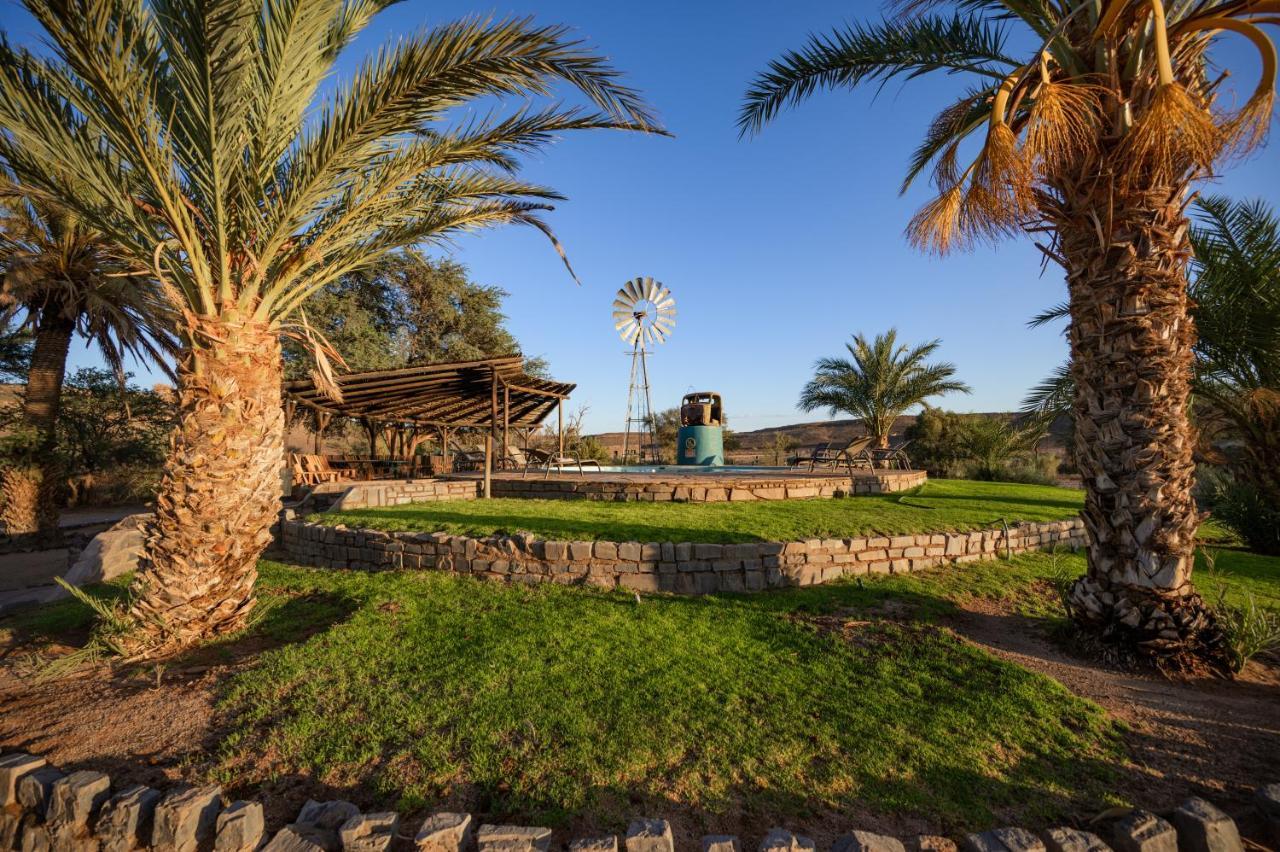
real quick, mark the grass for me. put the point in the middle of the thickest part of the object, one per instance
(937, 506)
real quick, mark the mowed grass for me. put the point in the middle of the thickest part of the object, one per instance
(936, 506)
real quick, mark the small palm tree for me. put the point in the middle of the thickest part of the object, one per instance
(63, 278)
(1093, 136)
(878, 382)
(189, 133)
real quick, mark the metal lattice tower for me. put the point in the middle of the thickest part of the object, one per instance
(644, 312)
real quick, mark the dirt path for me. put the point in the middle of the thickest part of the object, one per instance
(1212, 738)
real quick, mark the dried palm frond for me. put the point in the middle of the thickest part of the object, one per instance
(1062, 124)
(1173, 133)
(1002, 179)
(938, 226)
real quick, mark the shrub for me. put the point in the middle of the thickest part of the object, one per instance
(935, 442)
(1243, 509)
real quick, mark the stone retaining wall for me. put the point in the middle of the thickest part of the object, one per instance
(684, 568)
(692, 488)
(43, 809)
(398, 492)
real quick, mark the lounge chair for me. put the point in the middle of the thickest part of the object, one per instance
(895, 458)
(545, 461)
(311, 469)
(832, 455)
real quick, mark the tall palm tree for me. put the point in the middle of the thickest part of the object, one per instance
(61, 276)
(878, 382)
(215, 166)
(1092, 137)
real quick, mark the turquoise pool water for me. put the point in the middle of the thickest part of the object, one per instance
(691, 470)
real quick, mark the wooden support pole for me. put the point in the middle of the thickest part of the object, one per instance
(560, 423)
(506, 418)
(493, 404)
(488, 466)
(322, 422)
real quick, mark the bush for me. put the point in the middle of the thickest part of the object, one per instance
(936, 442)
(1250, 630)
(1243, 509)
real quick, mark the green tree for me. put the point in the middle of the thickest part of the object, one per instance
(879, 381)
(1090, 120)
(193, 135)
(15, 351)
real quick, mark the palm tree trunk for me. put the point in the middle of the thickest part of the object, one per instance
(29, 483)
(1131, 337)
(220, 491)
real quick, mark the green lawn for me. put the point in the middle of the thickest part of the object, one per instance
(542, 703)
(938, 505)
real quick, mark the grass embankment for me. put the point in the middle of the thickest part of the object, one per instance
(937, 506)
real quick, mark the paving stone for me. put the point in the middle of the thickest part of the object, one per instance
(781, 840)
(185, 819)
(12, 768)
(865, 841)
(721, 843)
(650, 835)
(369, 832)
(125, 820)
(607, 843)
(74, 800)
(1073, 840)
(444, 832)
(34, 789)
(240, 828)
(1143, 831)
(934, 843)
(1267, 800)
(1204, 828)
(303, 837)
(326, 815)
(1003, 840)
(513, 838)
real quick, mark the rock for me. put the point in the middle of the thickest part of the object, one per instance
(1003, 840)
(34, 789)
(12, 768)
(369, 832)
(239, 828)
(1267, 800)
(1073, 840)
(125, 820)
(650, 835)
(35, 838)
(1143, 831)
(721, 843)
(781, 840)
(865, 841)
(10, 824)
(444, 832)
(185, 819)
(934, 843)
(75, 799)
(326, 815)
(110, 554)
(303, 837)
(607, 843)
(1204, 828)
(512, 838)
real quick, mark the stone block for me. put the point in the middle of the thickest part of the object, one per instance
(512, 838)
(606, 550)
(721, 843)
(12, 768)
(1142, 831)
(933, 843)
(240, 828)
(75, 799)
(444, 832)
(650, 835)
(781, 840)
(186, 819)
(1267, 801)
(326, 815)
(606, 843)
(1204, 828)
(1003, 840)
(303, 838)
(865, 841)
(34, 789)
(1073, 840)
(369, 832)
(629, 551)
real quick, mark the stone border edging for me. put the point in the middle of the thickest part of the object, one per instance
(683, 568)
(42, 808)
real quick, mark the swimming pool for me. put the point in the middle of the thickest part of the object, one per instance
(691, 469)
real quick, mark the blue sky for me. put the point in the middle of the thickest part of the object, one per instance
(776, 248)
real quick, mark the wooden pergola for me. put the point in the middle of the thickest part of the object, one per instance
(493, 394)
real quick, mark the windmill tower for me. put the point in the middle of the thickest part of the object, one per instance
(644, 313)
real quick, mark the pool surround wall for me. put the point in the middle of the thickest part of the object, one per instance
(683, 568)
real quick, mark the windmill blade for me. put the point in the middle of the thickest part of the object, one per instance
(665, 323)
(662, 293)
(633, 290)
(649, 288)
(657, 334)
(621, 324)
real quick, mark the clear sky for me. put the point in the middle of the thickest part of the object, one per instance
(778, 248)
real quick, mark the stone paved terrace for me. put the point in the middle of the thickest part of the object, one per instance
(699, 487)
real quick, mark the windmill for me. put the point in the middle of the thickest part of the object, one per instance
(644, 312)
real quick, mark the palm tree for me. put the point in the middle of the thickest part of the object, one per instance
(1093, 137)
(195, 126)
(1235, 292)
(61, 276)
(878, 382)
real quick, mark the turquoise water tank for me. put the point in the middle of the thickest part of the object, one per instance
(700, 440)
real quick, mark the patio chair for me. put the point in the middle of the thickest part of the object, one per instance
(850, 455)
(894, 458)
(545, 461)
(310, 469)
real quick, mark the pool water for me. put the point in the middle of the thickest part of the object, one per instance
(691, 469)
